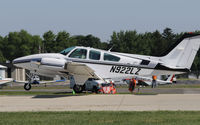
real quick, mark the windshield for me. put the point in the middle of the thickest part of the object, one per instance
(66, 51)
(79, 53)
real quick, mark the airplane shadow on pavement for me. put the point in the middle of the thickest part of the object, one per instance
(59, 95)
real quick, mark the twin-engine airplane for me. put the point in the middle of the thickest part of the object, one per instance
(83, 63)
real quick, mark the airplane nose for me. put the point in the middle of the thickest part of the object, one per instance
(17, 60)
(25, 59)
(23, 62)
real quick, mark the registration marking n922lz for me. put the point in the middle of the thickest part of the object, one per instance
(125, 70)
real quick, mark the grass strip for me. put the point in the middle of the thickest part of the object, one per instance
(101, 118)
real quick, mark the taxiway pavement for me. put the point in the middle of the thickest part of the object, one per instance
(119, 102)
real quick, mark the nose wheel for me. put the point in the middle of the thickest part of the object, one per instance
(27, 86)
(32, 79)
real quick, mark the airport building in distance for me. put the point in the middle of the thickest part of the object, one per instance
(14, 72)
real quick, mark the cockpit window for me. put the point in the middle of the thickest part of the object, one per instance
(95, 55)
(79, 53)
(66, 51)
(109, 57)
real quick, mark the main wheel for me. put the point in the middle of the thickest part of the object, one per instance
(78, 88)
(27, 86)
(95, 89)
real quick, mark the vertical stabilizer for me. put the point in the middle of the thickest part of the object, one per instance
(183, 52)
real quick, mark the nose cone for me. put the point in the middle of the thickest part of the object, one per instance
(25, 59)
(19, 62)
(22, 61)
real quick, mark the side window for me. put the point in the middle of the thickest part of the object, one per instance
(109, 57)
(79, 53)
(95, 55)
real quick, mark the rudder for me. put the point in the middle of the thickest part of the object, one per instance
(184, 51)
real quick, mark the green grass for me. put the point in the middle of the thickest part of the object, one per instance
(100, 118)
(180, 86)
(187, 79)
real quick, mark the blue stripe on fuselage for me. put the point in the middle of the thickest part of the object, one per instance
(27, 60)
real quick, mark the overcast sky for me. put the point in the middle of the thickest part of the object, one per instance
(98, 17)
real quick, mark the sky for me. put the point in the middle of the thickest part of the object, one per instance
(98, 17)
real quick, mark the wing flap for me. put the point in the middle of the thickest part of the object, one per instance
(81, 72)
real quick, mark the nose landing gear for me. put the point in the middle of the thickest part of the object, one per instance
(32, 79)
(27, 86)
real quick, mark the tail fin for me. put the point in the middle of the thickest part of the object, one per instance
(183, 52)
(166, 81)
(170, 78)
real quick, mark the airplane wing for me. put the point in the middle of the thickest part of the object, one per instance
(80, 72)
(39, 82)
(148, 80)
(5, 81)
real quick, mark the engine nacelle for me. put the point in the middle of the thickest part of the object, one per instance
(53, 63)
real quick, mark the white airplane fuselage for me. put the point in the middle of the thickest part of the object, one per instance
(51, 64)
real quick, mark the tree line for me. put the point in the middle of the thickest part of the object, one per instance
(22, 43)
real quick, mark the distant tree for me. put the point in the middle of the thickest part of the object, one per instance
(156, 44)
(88, 41)
(104, 46)
(129, 42)
(168, 34)
(25, 43)
(2, 58)
(1, 42)
(122, 41)
(143, 44)
(62, 41)
(114, 42)
(36, 44)
(169, 38)
(17, 44)
(49, 42)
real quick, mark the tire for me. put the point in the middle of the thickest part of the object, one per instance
(83, 87)
(27, 86)
(95, 89)
(78, 88)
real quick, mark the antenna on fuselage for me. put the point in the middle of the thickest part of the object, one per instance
(110, 48)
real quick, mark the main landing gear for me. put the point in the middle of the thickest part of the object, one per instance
(78, 88)
(32, 79)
